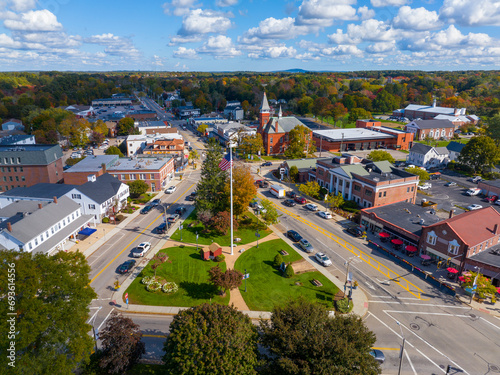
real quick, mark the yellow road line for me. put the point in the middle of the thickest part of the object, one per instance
(160, 336)
(135, 238)
(386, 271)
(374, 348)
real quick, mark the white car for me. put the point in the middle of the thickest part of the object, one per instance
(170, 189)
(311, 206)
(474, 207)
(323, 259)
(425, 186)
(473, 191)
(325, 215)
(141, 250)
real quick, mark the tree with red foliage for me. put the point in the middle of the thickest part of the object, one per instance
(222, 221)
(228, 280)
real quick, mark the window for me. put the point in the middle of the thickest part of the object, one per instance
(23, 178)
(52, 230)
(31, 246)
(73, 216)
(41, 237)
(8, 169)
(123, 177)
(380, 194)
(10, 178)
(407, 190)
(368, 193)
(18, 160)
(92, 206)
(36, 242)
(271, 140)
(357, 188)
(385, 193)
(142, 176)
(431, 238)
(76, 196)
(21, 169)
(15, 169)
(413, 187)
(453, 247)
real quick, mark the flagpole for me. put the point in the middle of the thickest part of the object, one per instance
(231, 188)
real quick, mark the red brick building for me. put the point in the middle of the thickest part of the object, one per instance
(27, 165)
(165, 146)
(435, 129)
(275, 130)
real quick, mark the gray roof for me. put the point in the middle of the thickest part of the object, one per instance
(145, 124)
(420, 148)
(42, 191)
(265, 104)
(488, 257)
(93, 164)
(351, 134)
(430, 108)
(138, 164)
(433, 124)
(441, 150)
(41, 220)
(103, 188)
(304, 163)
(31, 154)
(285, 124)
(455, 146)
(20, 207)
(13, 139)
(405, 215)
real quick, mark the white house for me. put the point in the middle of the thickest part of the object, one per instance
(454, 150)
(427, 156)
(232, 131)
(13, 124)
(41, 226)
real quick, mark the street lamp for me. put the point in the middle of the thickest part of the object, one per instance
(348, 262)
(402, 348)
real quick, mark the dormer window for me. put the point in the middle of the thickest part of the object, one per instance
(431, 238)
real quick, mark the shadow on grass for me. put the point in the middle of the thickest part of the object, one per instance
(199, 290)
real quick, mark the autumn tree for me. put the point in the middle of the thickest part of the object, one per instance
(359, 113)
(380, 155)
(251, 144)
(221, 222)
(480, 153)
(121, 344)
(202, 128)
(270, 214)
(157, 261)
(126, 126)
(227, 345)
(243, 189)
(310, 188)
(493, 129)
(294, 173)
(228, 280)
(299, 142)
(421, 173)
(334, 201)
(341, 343)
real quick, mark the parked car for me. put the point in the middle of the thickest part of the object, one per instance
(323, 259)
(325, 215)
(170, 189)
(191, 197)
(491, 199)
(146, 209)
(474, 207)
(155, 202)
(311, 206)
(264, 184)
(127, 266)
(289, 202)
(180, 210)
(293, 235)
(291, 194)
(355, 231)
(451, 183)
(173, 218)
(141, 250)
(475, 179)
(306, 245)
(378, 355)
(266, 164)
(160, 229)
(425, 186)
(300, 200)
(473, 191)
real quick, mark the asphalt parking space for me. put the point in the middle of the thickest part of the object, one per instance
(450, 197)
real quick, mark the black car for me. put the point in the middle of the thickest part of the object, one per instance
(160, 229)
(355, 231)
(267, 164)
(127, 266)
(263, 184)
(146, 209)
(293, 235)
(291, 194)
(155, 202)
(180, 210)
(289, 202)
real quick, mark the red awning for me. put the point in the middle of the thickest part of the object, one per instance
(452, 270)
(411, 248)
(461, 278)
(498, 290)
(425, 257)
(397, 241)
(384, 235)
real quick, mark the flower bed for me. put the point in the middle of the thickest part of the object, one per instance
(170, 287)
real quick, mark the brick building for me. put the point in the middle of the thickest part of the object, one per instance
(142, 115)
(27, 165)
(165, 146)
(275, 130)
(435, 129)
(369, 185)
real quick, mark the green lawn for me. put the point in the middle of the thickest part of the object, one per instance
(272, 158)
(185, 267)
(267, 288)
(444, 143)
(245, 231)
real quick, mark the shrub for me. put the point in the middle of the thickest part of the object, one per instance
(170, 287)
(154, 286)
(220, 258)
(493, 300)
(289, 271)
(147, 280)
(278, 259)
(342, 305)
(105, 220)
(120, 217)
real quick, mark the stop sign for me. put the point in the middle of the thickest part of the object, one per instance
(126, 295)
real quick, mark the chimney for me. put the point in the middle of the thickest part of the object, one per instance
(276, 128)
(452, 212)
(495, 229)
(40, 206)
(55, 199)
(103, 168)
(434, 103)
(9, 227)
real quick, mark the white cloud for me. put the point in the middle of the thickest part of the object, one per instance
(365, 13)
(219, 47)
(200, 21)
(22, 5)
(471, 12)
(275, 52)
(8, 42)
(34, 20)
(179, 7)
(388, 3)
(368, 30)
(341, 50)
(115, 45)
(381, 47)
(182, 67)
(449, 39)
(186, 53)
(416, 19)
(226, 3)
(44, 40)
(322, 13)
(272, 28)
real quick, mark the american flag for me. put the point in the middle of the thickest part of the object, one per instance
(225, 164)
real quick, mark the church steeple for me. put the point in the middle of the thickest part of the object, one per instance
(264, 114)
(264, 107)
(280, 114)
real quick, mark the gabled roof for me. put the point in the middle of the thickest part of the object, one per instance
(384, 166)
(33, 154)
(455, 146)
(420, 148)
(441, 150)
(20, 207)
(103, 188)
(354, 168)
(474, 227)
(433, 124)
(304, 163)
(452, 118)
(42, 191)
(285, 124)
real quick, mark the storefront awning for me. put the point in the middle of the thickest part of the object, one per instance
(87, 231)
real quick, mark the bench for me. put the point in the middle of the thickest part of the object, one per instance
(316, 282)
(283, 252)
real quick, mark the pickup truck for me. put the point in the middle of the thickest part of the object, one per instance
(473, 191)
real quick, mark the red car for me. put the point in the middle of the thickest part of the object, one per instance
(491, 199)
(300, 200)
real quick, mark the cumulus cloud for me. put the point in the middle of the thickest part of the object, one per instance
(201, 21)
(186, 53)
(381, 47)
(365, 13)
(179, 7)
(388, 3)
(322, 13)
(226, 3)
(341, 50)
(275, 52)
(471, 12)
(369, 30)
(272, 28)
(219, 47)
(115, 45)
(34, 20)
(7, 42)
(416, 19)
(22, 5)
(44, 40)
(449, 39)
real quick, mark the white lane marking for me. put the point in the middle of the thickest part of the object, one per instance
(369, 285)
(409, 361)
(101, 299)
(497, 327)
(413, 298)
(425, 313)
(430, 345)
(92, 317)
(107, 316)
(407, 342)
(422, 304)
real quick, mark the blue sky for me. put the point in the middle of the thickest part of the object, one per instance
(255, 35)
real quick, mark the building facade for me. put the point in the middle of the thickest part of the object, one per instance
(427, 156)
(165, 146)
(434, 129)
